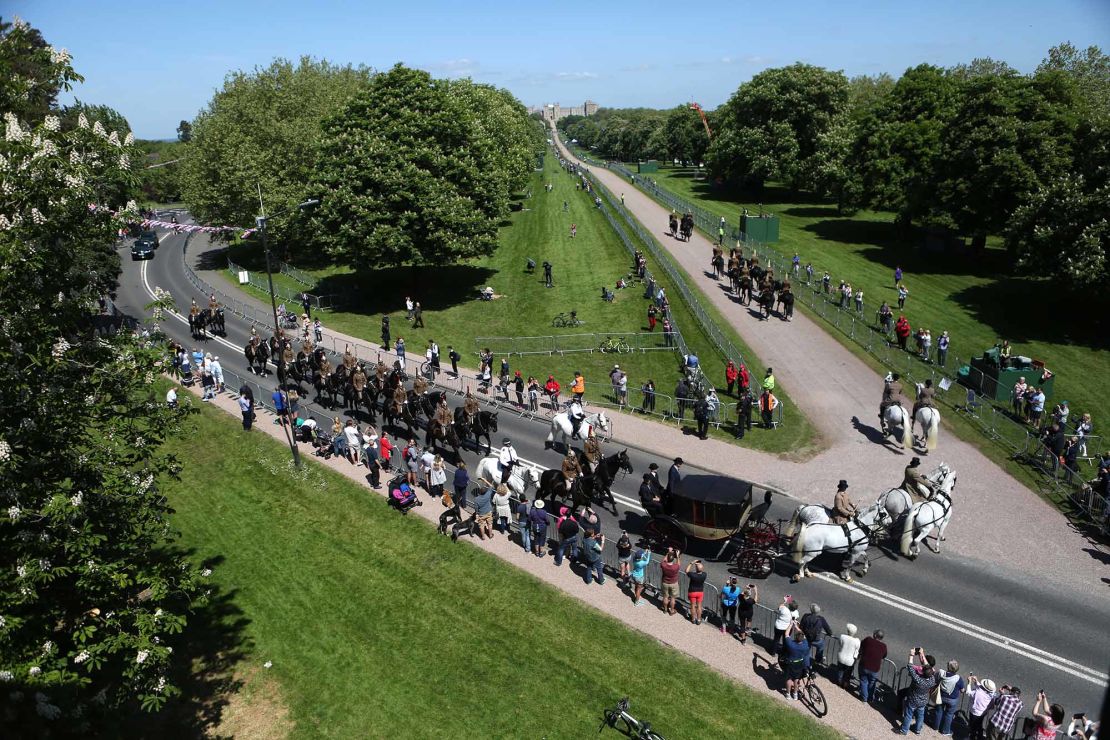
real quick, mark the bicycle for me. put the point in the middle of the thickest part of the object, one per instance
(812, 696)
(611, 344)
(633, 727)
(567, 319)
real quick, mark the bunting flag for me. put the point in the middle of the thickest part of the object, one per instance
(147, 223)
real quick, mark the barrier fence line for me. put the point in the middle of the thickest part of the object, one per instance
(553, 344)
(993, 422)
(317, 302)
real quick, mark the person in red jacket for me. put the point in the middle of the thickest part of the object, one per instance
(745, 377)
(385, 446)
(731, 375)
(902, 330)
(552, 390)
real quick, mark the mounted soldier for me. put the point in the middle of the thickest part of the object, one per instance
(571, 469)
(213, 304)
(325, 365)
(892, 390)
(843, 506)
(591, 449)
(443, 413)
(349, 360)
(470, 408)
(420, 386)
(358, 380)
(399, 399)
(915, 483)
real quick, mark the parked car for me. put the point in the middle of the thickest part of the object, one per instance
(142, 250)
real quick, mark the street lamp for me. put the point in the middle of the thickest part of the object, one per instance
(260, 222)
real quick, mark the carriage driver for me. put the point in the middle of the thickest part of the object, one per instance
(443, 413)
(915, 483)
(507, 457)
(576, 414)
(926, 397)
(892, 389)
(571, 469)
(470, 407)
(843, 506)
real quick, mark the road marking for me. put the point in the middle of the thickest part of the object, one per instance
(175, 314)
(972, 630)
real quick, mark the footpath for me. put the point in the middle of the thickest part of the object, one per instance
(840, 394)
(704, 643)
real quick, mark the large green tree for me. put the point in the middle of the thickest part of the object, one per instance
(92, 595)
(685, 134)
(772, 126)
(402, 171)
(262, 130)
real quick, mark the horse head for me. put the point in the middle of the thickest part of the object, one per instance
(603, 421)
(491, 420)
(625, 463)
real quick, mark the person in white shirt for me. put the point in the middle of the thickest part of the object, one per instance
(171, 398)
(846, 658)
(784, 616)
(354, 442)
(217, 373)
(507, 457)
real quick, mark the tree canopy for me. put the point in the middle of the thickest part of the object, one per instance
(414, 170)
(92, 593)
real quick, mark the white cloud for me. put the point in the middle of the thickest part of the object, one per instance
(576, 75)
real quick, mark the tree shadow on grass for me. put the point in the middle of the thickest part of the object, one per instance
(1010, 307)
(208, 655)
(384, 290)
(812, 212)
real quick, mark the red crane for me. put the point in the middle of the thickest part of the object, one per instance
(704, 120)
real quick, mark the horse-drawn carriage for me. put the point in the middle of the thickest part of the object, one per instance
(706, 509)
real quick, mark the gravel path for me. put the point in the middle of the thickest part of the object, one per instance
(840, 395)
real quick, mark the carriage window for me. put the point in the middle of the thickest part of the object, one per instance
(702, 514)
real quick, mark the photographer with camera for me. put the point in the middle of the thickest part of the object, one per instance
(923, 680)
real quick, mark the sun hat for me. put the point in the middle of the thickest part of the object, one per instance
(988, 684)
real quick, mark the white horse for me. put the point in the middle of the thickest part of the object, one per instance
(897, 501)
(806, 514)
(561, 423)
(522, 477)
(898, 424)
(852, 539)
(926, 516)
(929, 419)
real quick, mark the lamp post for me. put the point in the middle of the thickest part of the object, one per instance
(260, 222)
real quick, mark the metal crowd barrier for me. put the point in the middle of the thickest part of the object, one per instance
(318, 302)
(559, 344)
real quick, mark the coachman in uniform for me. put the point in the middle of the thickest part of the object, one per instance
(915, 483)
(843, 506)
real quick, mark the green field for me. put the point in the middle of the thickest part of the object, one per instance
(377, 626)
(540, 230)
(974, 297)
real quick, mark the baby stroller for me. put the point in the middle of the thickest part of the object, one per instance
(323, 443)
(187, 377)
(401, 495)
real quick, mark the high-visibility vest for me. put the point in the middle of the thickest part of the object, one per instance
(579, 385)
(767, 403)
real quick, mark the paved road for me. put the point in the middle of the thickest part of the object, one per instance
(970, 602)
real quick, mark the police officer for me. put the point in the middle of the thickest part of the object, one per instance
(508, 459)
(744, 412)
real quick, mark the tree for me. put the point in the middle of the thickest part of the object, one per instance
(108, 117)
(771, 127)
(1090, 68)
(32, 72)
(184, 132)
(1062, 230)
(262, 129)
(400, 173)
(92, 593)
(685, 135)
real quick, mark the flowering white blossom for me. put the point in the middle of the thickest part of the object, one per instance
(161, 684)
(131, 206)
(113, 138)
(268, 664)
(14, 513)
(6, 676)
(142, 656)
(206, 572)
(35, 670)
(45, 565)
(74, 156)
(82, 121)
(37, 216)
(21, 571)
(158, 612)
(52, 123)
(124, 162)
(129, 139)
(13, 131)
(81, 657)
(60, 348)
(98, 129)
(3, 621)
(5, 451)
(77, 498)
(5, 224)
(59, 56)
(74, 181)
(47, 647)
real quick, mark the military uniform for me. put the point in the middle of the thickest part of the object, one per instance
(325, 366)
(349, 360)
(843, 508)
(571, 469)
(399, 399)
(419, 386)
(470, 407)
(287, 354)
(913, 483)
(358, 380)
(443, 415)
(592, 450)
(381, 371)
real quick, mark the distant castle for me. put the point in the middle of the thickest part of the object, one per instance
(554, 111)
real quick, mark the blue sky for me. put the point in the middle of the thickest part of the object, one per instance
(159, 63)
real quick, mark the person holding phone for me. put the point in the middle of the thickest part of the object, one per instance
(749, 597)
(696, 590)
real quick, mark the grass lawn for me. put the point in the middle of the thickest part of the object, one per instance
(540, 231)
(377, 626)
(972, 297)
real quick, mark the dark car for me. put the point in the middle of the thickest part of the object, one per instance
(149, 237)
(142, 250)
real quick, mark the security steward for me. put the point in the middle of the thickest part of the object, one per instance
(843, 506)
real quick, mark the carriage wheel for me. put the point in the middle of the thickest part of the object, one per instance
(755, 563)
(761, 534)
(663, 533)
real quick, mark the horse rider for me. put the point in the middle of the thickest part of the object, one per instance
(380, 371)
(915, 483)
(470, 407)
(926, 397)
(443, 413)
(399, 399)
(349, 359)
(507, 458)
(358, 380)
(213, 304)
(325, 366)
(892, 389)
(576, 415)
(419, 386)
(843, 506)
(194, 311)
(287, 352)
(571, 469)
(592, 449)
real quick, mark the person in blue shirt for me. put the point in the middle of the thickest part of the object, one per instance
(640, 561)
(278, 397)
(729, 597)
(462, 480)
(794, 658)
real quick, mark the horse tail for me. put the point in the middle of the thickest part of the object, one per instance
(907, 424)
(931, 431)
(799, 543)
(907, 529)
(789, 531)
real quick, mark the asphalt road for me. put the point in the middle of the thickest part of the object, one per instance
(1013, 627)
